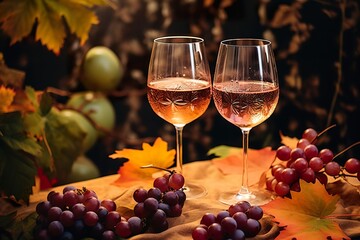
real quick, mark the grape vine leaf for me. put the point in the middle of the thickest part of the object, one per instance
(18, 153)
(51, 19)
(157, 155)
(307, 214)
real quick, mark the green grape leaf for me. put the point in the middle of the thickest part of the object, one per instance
(46, 103)
(18, 153)
(52, 17)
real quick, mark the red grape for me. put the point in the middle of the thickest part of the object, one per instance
(352, 165)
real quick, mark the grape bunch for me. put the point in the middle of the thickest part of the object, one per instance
(239, 221)
(308, 163)
(78, 213)
(165, 199)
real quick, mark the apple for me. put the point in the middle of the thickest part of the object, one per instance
(82, 169)
(101, 70)
(85, 125)
(97, 107)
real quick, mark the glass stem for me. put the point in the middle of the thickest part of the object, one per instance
(245, 181)
(179, 147)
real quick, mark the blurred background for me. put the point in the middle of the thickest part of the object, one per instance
(317, 48)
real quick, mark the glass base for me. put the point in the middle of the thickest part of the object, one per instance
(194, 191)
(254, 196)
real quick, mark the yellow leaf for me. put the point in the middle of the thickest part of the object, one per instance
(17, 18)
(6, 98)
(306, 214)
(157, 155)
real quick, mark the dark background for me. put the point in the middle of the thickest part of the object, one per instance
(317, 48)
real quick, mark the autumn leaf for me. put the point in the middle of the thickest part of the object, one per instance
(6, 98)
(52, 17)
(307, 214)
(157, 155)
(289, 141)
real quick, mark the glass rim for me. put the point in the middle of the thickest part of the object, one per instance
(181, 40)
(246, 42)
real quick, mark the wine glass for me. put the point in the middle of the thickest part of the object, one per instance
(179, 88)
(245, 92)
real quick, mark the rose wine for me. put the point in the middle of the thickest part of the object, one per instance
(179, 100)
(246, 103)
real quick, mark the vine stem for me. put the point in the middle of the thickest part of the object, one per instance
(340, 62)
(156, 167)
(351, 146)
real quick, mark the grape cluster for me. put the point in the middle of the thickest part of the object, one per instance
(165, 199)
(308, 163)
(78, 213)
(240, 221)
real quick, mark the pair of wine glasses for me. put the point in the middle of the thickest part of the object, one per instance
(245, 91)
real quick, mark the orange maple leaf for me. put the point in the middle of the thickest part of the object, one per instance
(157, 155)
(306, 215)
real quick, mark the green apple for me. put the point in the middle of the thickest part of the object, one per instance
(101, 70)
(97, 107)
(85, 125)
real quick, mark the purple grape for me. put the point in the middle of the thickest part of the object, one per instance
(161, 183)
(238, 235)
(69, 188)
(54, 214)
(70, 198)
(171, 198)
(215, 231)
(108, 235)
(154, 193)
(228, 225)
(67, 218)
(42, 208)
(221, 215)
(199, 233)
(140, 195)
(136, 225)
(78, 211)
(90, 218)
(252, 228)
(122, 229)
(150, 206)
(255, 212)
(92, 204)
(241, 219)
(208, 219)
(109, 204)
(111, 219)
(55, 229)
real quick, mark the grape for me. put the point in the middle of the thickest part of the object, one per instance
(238, 235)
(135, 224)
(139, 210)
(161, 227)
(255, 212)
(283, 153)
(215, 231)
(244, 205)
(310, 134)
(199, 233)
(208, 219)
(50, 195)
(278, 173)
(252, 228)
(308, 175)
(158, 218)
(92, 204)
(67, 236)
(166, 208)
(109, 204)
(102, 212)
(161, 183)
(55, 229)
(289, 175)
(108, 235)
(56, 199)
(176, 181)
(303, 143)
(228, 225)
(54, 214)
(316, 164)
(352, 165)
(282, 189)
(154, 193)
(67, 218)
(151, 205)
(122, 229)
(295, 186)
(43, 235)
(171, 198)
(111, 219)
(181, 196)
(176, 210)
(68, 188)
(332, 168)
(43, 207)
(221, 215)
(241, 219)
(269, 183)
(96, 231)
(234, 208)
(70, 198)
(311, 151)
(90, 218)
(300, 165)
(140, 195)
(297, 153)
(89, 193)
(326, 155)
(78, 210)
(275, 168)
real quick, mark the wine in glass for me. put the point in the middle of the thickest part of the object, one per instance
(245, 92)
(179, 88)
